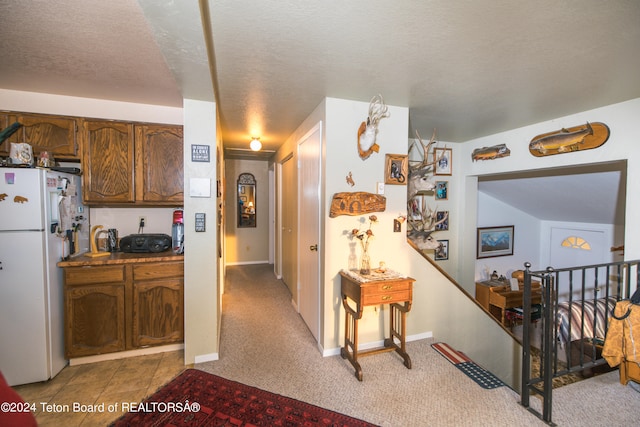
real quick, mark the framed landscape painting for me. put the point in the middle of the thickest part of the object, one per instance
(495, 241)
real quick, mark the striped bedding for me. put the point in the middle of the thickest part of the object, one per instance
(593, 319)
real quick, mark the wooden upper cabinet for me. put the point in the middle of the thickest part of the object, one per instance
(108, 162)
(55, 134)
(159, 164)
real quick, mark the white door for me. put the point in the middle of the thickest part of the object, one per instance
(309, 229)
(572, 247)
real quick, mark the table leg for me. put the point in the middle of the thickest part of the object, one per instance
(351, 338)
(398, 330)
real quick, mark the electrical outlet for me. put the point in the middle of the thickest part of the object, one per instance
(142, 221)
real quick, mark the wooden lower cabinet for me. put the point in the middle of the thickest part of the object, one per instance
(95, 320)
(158, 303)
(123, 307)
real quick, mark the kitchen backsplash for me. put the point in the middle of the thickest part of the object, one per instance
(125, 220)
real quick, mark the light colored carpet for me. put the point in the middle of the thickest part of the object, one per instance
(265, 343)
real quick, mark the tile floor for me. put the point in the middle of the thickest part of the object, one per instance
(111, 382)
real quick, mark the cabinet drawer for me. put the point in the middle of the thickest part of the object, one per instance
(386, 297)
(157, 270)
(90, 275)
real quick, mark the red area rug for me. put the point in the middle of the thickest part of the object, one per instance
(197, 398)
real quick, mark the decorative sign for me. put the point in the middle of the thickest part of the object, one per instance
(200, 222)
(357, 203)
(200, 153)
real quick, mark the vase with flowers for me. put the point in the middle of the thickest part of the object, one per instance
(364, 236)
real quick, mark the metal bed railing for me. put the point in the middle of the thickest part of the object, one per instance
(576, 306)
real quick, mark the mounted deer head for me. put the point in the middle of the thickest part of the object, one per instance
(422, 223)
(420, 172)
(368, 130)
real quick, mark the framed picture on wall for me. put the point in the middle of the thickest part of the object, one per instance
(442, 220)
(442, 190)
(442, 160)
(396, 167)
(495, 241)
(442, 253)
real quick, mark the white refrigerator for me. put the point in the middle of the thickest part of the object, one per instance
(41, 214)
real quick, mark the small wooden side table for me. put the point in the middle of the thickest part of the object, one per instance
(367, 291)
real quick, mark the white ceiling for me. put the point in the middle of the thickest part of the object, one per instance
(468, 69)
(587, 194)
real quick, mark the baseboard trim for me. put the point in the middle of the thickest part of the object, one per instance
(376, 344)
(124, 354)
(211, 357)
(247, 263)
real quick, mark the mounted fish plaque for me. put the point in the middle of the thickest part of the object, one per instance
(490, 153)
(357, 203)
(577, 138)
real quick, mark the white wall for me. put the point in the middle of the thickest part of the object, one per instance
(341, 157)
(201, 287)
(493, 212)
(247, 245)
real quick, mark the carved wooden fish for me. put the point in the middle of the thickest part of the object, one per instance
(561, 141)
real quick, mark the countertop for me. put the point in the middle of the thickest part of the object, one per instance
(121, 258)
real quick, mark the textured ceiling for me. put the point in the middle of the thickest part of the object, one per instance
(468, 69)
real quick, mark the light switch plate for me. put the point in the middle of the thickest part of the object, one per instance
(200, 187)
(380, 189)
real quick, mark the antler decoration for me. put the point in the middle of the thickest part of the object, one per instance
(421, 219)
(368, 130)
(422, 222)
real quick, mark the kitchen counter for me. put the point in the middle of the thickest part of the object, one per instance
(121, 258)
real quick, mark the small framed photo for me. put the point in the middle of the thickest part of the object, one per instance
(442, 159)
(414, 207)
(442, 252)
(495, 241)
(442, 220)
(442, 190)
(396, 167)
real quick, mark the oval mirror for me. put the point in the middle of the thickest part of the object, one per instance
(247, 207)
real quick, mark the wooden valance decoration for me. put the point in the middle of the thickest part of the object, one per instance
(357, 203)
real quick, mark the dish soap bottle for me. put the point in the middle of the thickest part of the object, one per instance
(177, 231)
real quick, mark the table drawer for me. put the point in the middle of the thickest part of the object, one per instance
(374, 298)
(386, 287)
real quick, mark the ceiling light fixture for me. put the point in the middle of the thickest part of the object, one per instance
(255, 144)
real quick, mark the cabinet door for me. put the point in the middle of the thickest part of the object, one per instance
(55, 134)
(4, 123)
(159, 164)
(108, 162)
(158, 314)
(95, 319)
